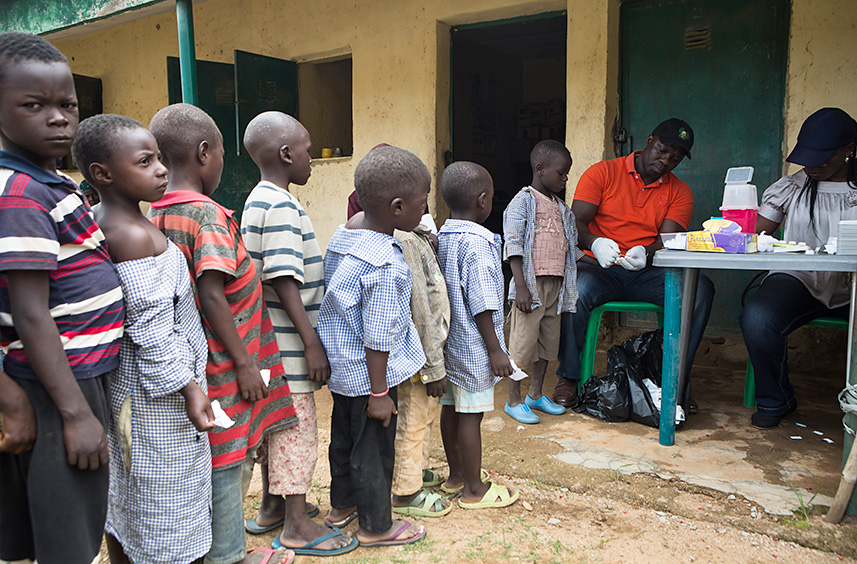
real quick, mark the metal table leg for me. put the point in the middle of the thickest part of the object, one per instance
(851, 378)
(688, 302)
(670, 375)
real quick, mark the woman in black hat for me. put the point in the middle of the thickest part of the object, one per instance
(814, 199)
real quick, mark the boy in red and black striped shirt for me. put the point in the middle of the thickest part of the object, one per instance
(61, 316)
(228, 289)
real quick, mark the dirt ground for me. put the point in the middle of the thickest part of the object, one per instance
(571, 514)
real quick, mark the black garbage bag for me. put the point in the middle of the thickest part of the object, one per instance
(621, 394)
(606, 398)
(636, 360)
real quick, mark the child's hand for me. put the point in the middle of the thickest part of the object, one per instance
(18, 427)
(198, 407)
(523, 299)
(500, 363)
(85, 442)
(436, 389)
(250, 382)
(317, 364)
(382, 408)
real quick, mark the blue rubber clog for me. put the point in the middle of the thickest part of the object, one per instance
(545, 404)
(521, 413)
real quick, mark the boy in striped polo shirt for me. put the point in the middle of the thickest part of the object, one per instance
(239, 332)
(61, 315)
(280, 238)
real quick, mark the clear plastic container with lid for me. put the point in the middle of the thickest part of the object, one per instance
(740, 198)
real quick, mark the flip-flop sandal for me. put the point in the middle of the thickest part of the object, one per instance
(496, 496)
(342, 522)
(254, 528)
(290, 555)
(423, 505)
(431, 478)
(309, 548)
(394, 540)
(483, 474)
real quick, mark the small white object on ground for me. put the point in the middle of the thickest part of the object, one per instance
(828, 441)
(796, 437)
(818, 432)
(800, 425)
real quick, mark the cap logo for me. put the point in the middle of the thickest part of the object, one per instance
(682, 134)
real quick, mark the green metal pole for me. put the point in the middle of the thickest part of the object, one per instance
(187, 51)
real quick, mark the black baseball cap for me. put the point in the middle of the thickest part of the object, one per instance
(675, 132)
(821, 135)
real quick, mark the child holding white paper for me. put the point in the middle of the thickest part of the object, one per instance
(158, 506)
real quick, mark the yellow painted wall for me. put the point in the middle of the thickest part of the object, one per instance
(400, 53)
(822, 68)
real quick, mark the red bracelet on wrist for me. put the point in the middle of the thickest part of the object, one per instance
(382, 394)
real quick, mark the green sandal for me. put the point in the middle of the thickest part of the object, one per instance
(496, 496)
(424, 504)
(431, 478)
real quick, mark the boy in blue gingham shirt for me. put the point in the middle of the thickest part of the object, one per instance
(366, 327)
(476, 355)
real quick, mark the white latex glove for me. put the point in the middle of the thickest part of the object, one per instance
(605, 251)
(634, 259)
(765, 243)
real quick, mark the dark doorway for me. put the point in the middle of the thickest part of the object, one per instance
(720, 66)
(508, 93)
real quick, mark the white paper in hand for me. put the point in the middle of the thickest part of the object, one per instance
(266, 375)
(517, 373)
(220, 418)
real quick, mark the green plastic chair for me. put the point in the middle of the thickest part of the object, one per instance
(750, 378)
(587, 354)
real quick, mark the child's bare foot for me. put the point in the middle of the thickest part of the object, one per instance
(271, 515)
(402, 532)
(340, 517)
(306, 532)
(268, 556)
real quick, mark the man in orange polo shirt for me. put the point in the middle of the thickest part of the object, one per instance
(621, 206)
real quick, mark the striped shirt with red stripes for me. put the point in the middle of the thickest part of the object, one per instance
(210, 239)
(46, 224)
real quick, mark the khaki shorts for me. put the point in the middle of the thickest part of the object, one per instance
(535, 336)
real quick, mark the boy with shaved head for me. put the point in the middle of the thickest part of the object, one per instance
(476, 355)
(280, 238)
(240, 335)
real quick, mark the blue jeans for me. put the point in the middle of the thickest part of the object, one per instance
(781, 305)
(597, 286)
(228, 489)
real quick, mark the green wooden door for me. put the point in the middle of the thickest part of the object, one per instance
(720, 66)
(216, 84)
(263, 84)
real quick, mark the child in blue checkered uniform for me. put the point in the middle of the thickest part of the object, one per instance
(160, 462)
(372, 344)
(476, 355)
